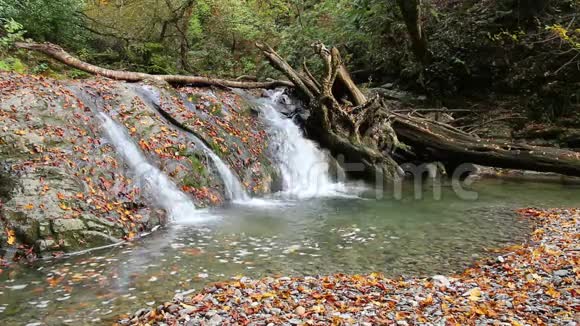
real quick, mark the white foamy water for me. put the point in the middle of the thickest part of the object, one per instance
(156, 184)
(304, 166)
(234, 189)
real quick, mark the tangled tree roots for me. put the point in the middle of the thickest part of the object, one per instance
(365, 130)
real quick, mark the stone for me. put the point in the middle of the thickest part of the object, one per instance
(216, 320)
(44, 245)
(300, 310)
(561, 273)
(173, 309)
(276, 311)
(62, 225)
(441, 280)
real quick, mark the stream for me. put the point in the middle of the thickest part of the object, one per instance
(317, 236)
(314, 225)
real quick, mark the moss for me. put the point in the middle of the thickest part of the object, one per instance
(194, 98)
(7, 184)
(199, 175)
(246, 108)
(192, 180)
(196, 163)
(216, 110)
(13, 64)
(216, 147)
(26, 230)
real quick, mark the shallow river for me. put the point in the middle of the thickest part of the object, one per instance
(405, 236)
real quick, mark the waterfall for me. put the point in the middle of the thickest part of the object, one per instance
(162, 190)
(304, 166)
(234, 189)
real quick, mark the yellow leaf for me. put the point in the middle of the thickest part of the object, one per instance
(11, 238)
(29, 206)
(553, 293)
(64, 206)
(475, 294)
(268, 295)
(318, 309)
(20, 132)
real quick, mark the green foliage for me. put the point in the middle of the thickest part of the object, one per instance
(364, 31)
(570, 37)
(151, 57)
(508, 36)
(40, 68)
(47, 20)
(223, 34)
(12, 64)
(13, 32)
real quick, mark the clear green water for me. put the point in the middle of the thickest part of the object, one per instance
(319, 236)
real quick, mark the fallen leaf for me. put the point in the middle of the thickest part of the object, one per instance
(11, 238)
(475, 294)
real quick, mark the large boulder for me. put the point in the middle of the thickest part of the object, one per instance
(63, 187)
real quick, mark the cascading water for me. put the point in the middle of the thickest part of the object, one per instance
(163, 191)
(234, 189)
(304, 167)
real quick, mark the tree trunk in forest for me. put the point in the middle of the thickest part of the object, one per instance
(59, 54)
(411, 11)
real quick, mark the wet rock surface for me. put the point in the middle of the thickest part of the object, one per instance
(64, 188)
(534, 283)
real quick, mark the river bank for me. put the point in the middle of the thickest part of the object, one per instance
(533, 283)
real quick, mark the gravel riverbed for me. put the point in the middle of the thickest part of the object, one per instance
(535, 283)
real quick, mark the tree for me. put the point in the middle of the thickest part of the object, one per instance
(47, 20)
(411, 12)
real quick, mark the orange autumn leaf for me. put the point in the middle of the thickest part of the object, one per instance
(29, 206)
(427, 301)
(131, 236)
(553, 293)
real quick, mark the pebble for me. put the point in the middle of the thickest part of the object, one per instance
(300, 310)
(441, 280)
(561, 273)
(216, 320)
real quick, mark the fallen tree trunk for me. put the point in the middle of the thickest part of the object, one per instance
(367, 131)
(56, 52)
(438, 143)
